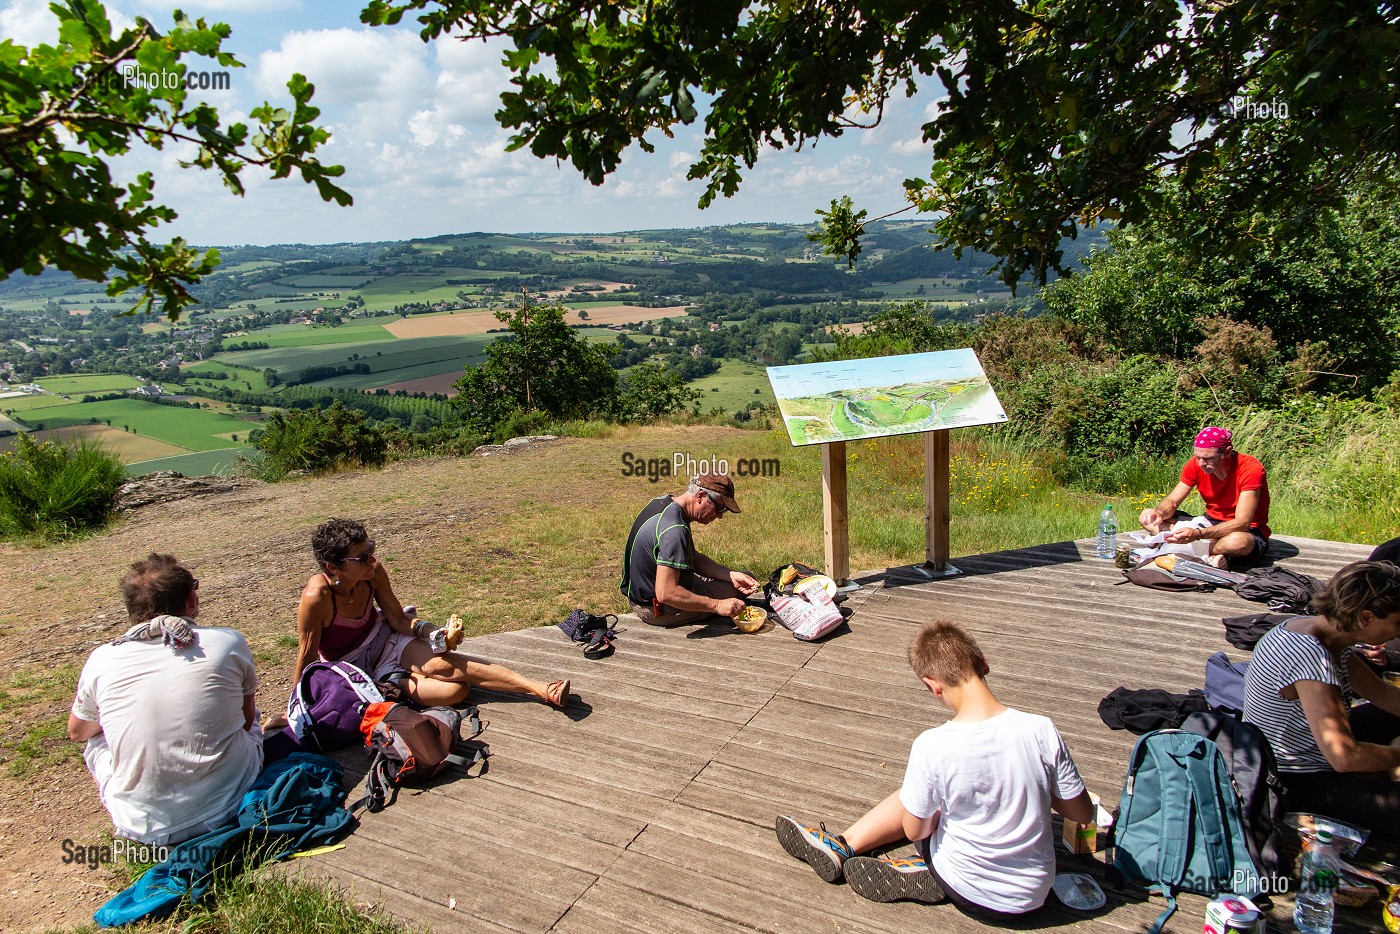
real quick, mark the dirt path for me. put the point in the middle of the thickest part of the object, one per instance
(466, 533)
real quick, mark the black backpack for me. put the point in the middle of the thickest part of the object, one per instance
(1283, 590)
(1246, 631)
(1254, 773)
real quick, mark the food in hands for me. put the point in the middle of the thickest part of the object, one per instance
(454, 630)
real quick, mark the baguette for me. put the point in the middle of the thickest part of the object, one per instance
(454, 629)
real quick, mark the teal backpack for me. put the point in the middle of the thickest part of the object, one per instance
(1179, 825)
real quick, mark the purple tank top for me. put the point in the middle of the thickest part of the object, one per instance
(345, 634)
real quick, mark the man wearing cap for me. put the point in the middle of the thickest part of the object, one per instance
(1236, 494)
(668, 582)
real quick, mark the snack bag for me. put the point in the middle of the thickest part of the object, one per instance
(810, 612)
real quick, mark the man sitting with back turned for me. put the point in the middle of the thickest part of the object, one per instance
(668, 582)
(167, 712)
(1236, 494)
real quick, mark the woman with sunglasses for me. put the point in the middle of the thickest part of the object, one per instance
(348, 612)
(1335, 759)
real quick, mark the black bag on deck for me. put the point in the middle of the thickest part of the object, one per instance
(1255, 775)
(1246, 631)
(1148, 709)
(1283, 590)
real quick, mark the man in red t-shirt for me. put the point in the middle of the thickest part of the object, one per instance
(1236, 494)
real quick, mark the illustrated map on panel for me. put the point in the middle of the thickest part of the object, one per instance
(852, 399)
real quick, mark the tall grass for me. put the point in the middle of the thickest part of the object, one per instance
(52, 490)
(269, 900)
(1334, 466)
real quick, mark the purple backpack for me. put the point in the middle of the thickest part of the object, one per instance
(327, 703)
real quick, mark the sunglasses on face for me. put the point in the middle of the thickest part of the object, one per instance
(715, 501)
(364, 558)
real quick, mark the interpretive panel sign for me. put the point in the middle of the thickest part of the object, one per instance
(879, 396)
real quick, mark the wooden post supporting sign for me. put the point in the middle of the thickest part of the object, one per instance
(936, 513)
(838, 540)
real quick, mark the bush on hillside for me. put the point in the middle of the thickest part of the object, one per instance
(316, 441)
(652, 392)
(52, 489)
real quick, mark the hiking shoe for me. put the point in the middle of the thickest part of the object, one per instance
(824, 852)
(893, 880)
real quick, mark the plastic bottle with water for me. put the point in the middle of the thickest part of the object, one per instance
(1107, 543)
(1317, 883)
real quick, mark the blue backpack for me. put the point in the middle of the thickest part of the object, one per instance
(1179, 825)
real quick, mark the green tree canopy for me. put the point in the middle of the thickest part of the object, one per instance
(68, 108)
(1333, 292)
(544, 366)
(1059, 113)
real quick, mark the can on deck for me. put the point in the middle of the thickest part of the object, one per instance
(1232, 914)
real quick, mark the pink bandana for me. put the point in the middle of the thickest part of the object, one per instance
(1213, 437)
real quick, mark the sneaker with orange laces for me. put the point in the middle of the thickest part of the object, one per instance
(824, 852)
(893, 880)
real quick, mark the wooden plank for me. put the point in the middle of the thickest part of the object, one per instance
(622, 905)
(836, 533)
(419, 887)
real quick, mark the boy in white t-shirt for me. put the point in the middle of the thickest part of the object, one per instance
(976, 799)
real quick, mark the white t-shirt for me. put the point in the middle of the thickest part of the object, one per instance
(172, 727)
(992, 782)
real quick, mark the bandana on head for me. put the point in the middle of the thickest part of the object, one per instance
(1212, 437)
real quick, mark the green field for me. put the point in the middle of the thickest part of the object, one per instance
(321, 281)
(200, 464)
(403, 288)
(302, 335)
(91, 384)
(240, 378)
(379, 357)
(735, 382)
(193, 429)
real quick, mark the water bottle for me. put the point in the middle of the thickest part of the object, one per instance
(1107, 544)
(1316, 885)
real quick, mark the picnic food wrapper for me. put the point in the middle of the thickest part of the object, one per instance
(1150, 546)
(810, 612)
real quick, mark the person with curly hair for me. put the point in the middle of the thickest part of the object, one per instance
(349, 612)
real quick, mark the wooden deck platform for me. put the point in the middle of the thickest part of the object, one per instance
(649, 807)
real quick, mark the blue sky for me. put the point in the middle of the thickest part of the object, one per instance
(412, 124)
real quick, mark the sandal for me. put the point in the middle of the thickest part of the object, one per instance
(557, 693)
(599, 645)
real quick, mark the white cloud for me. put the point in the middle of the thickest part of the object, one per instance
(349, 66)
(910, 146)
(28, 23)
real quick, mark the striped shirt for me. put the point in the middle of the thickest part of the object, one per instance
(1282, 658)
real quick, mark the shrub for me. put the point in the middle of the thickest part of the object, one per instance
(53, 489)
(316, 441)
